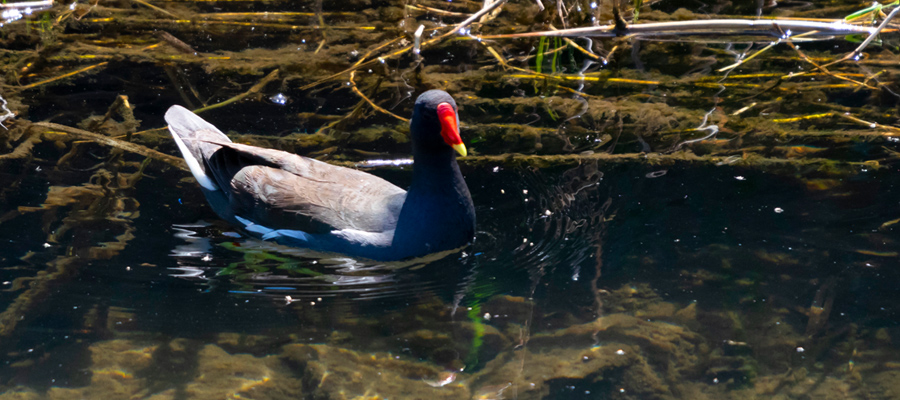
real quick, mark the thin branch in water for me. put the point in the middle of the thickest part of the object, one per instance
(51, 128)
(743, 60)
(894, 131)
(486, 9)
(816, 66)
(529, 74)
(259, 86)
(855, 54)
(371, 103)
(406, 49)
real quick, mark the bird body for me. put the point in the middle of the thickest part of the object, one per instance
(298, 201)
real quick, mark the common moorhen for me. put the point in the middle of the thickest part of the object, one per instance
(298, 201)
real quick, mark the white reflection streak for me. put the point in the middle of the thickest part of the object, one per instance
(195, 247)
(418, 40)
(187, 271)
(383, 163)
(713, 130)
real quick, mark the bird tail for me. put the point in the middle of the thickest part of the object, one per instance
(196, 139)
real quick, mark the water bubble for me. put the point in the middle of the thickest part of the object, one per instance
(279, 99)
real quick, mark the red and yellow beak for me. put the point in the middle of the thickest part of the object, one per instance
(450, 128)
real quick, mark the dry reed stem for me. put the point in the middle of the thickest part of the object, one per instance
(436, 11)
(874, 125)
(155, 8)
(63, 76)
(236, 15)
(816, 66)
(407, 49)
(743, 60)
(529, 74)
(858, 51)
(581, 49)
(893, 131)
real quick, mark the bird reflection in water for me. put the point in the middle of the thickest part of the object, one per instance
(269, 269)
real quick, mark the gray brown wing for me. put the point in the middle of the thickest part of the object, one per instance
(281, 190)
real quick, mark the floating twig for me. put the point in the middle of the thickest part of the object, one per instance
(28, 4)
(702, 27)
(176, 43)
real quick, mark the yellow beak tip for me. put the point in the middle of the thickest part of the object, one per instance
(461, 149)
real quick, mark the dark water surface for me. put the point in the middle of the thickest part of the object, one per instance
(648, 227)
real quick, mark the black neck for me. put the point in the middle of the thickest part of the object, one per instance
(435, 169)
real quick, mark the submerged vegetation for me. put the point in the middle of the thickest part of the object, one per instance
(808, 92)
